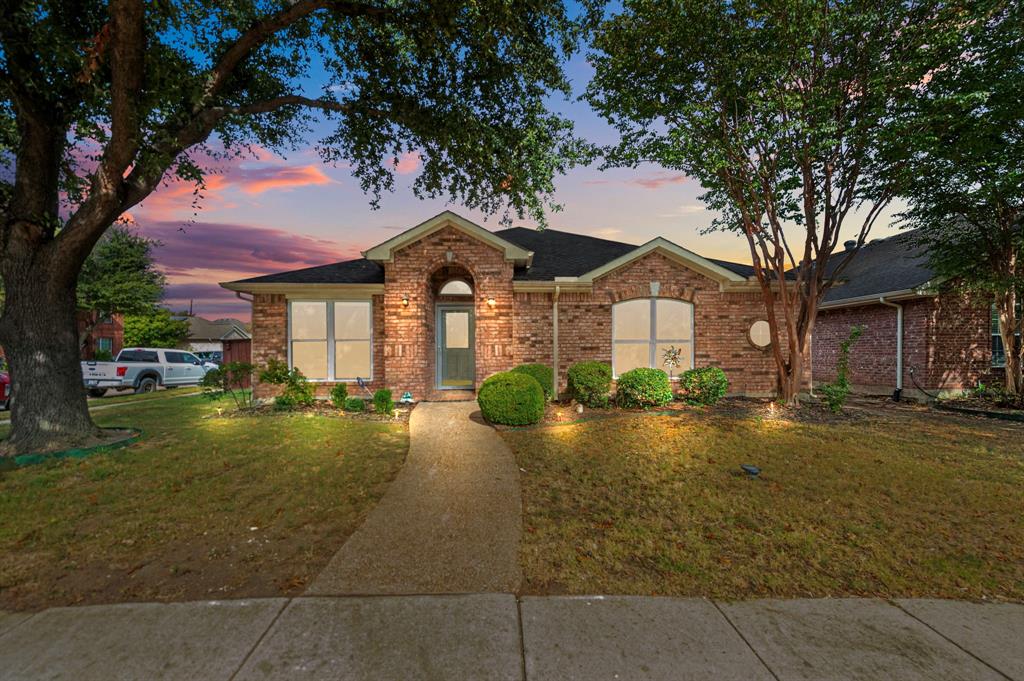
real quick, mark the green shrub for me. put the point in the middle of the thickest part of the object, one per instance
(511, 398)
(543, 374)
(836, 392)
(355, 404)
(103, 356)
(382, 402)
(339, 393)
(230, 379)
(643, 387)
(706, 385)
(590, 383)
(297, 390)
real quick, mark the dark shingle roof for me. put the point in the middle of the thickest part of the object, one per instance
(564, 254)
(555, 254)
(897, 263)
(361, 271)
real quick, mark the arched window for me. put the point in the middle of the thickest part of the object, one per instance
(645, 328)
(456, 287)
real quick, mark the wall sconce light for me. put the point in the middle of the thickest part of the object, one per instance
(405, 301)
(491, 303)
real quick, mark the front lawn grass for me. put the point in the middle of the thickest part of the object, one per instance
(888, 505)
(200, 508)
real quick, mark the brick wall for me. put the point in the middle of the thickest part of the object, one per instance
(518, 328)
(409, 333)
(721, 321)
(946, 342)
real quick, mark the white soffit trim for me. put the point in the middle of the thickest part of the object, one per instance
(384, 252)
(674, 252)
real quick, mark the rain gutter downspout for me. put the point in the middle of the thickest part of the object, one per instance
(554, 329)
(899, 346)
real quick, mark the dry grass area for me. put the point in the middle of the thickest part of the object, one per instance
(201, 507)
(882, 503)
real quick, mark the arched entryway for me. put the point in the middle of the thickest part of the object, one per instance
(454, 328)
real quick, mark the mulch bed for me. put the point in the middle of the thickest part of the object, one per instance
(319, 408)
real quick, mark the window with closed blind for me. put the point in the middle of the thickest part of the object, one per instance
(331, 340)
(644, 328)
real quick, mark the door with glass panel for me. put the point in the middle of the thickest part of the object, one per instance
(455, 364)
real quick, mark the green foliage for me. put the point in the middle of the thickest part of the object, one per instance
(643, 387)
(705, 386)
(836, 392)
(155, 329)
(590, 383)
(120, 275)
(103, 356)
(297, 391)
(355, 404)
(543, 374)
(382, 402)
(230, 379)
(339, 393)
(511, 398)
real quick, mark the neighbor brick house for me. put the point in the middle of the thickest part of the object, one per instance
(920, 336)
(448, 303)
(107, 335)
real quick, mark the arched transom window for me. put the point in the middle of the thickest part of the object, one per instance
(456, 287)
(645, 328)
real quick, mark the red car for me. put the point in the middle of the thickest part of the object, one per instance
(5, 390)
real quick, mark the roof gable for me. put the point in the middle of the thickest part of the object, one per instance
(384, 252)
(674, 252)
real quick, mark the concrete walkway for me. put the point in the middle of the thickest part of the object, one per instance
(449, 523)
(496, 636)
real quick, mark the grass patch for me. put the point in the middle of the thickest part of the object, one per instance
(891, 505)
(201, 507)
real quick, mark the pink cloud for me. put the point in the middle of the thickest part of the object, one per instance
(237, 250)
(655, 181)
(407, 163)
(259, 180)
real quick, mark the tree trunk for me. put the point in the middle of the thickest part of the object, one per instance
(1006, 311)
(39, 334)
(790, 381)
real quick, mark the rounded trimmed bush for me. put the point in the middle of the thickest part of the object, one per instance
(512, 399)
(355, 404)
(643, 387)
(543, 374)
(590, 383)
(382, 402)
(706, 385)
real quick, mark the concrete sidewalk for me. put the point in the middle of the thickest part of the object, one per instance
(496, 636)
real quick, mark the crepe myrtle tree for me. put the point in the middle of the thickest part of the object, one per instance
(104, 101)
(783, 111)
(966, 191)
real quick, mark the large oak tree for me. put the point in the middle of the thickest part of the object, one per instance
(102, 101)
(785, 112)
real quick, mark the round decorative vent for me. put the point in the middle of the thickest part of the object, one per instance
(760, 334)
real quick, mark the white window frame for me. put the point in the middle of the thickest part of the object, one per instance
(652, 339)
(331, 347)
(994, 329)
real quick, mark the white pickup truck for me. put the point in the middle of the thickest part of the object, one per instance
(143, 370)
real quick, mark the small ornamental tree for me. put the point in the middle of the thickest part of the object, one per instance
(106, 100)
(784, 112)
(231, 379)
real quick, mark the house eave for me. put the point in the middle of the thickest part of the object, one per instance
(293, 290)
(874, 298)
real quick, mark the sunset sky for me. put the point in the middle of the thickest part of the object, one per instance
(267, 213)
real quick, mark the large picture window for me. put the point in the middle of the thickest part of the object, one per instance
(643, 329)
(331, 340)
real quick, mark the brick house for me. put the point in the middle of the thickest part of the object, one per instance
(919, 337)
(447, 303)
(107, 334)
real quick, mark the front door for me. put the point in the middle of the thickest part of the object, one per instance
(455, 366)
